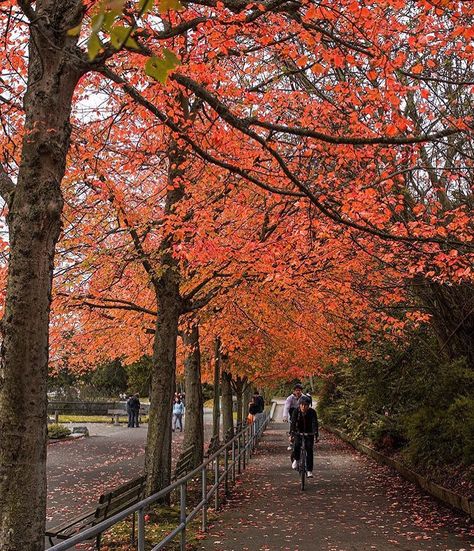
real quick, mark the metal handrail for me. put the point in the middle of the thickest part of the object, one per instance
(240, 454)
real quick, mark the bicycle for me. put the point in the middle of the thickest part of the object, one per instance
(302, 467)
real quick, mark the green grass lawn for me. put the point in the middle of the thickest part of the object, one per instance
(96, 419)
(160, 521)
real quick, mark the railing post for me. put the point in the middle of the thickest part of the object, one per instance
(204, 498)
(258, 432)
(182, 515)
(247, 438)
(233, 461)
(249, 441)
(238, 453)
(226, 471)
(216, 483)
(141, 530)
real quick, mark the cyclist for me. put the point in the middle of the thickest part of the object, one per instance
(291, 404)
(304, 419)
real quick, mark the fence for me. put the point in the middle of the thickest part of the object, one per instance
(225, 463)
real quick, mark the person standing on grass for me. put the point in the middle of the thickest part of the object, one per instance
(129, 411)
(178, 411)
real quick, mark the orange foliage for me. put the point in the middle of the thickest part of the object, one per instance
(326, 165)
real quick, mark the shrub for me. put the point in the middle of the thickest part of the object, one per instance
(110, 378)
(207, 392)
(57, 431)
(441, 434)
(461, 416)
(387, 434)
(139, 376)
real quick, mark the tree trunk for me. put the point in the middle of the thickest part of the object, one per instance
(194, 426)
(158, 448)
(238, 385)
(216, 410)
(227, 413)
(34, 222)
(166, 283)
(247, 395)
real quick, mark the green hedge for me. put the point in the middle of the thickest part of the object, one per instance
(405, 399)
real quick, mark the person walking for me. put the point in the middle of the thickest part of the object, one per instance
(254, 408)
(178, 411)
(259, 401)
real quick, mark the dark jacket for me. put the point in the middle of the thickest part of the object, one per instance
(253, 408)
(133, 403)
(260, 403)
(307, 422)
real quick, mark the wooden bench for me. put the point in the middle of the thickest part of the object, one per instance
(119, 412)
(109, 504)
(116, 413)
(214, 445)
(184, 463)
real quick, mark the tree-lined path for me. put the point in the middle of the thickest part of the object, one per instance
(248, 193)
(352, 503)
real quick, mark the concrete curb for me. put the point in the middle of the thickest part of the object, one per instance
(449, 497)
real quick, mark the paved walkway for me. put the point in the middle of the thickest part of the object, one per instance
(351, 504)
(79, 471)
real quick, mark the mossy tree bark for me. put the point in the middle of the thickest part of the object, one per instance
(227, 413)
(166, 282)
(34, 221)
(194, 426)
(247, 395)
(238, 384)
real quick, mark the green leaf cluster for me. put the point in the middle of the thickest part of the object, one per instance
(120, 36)
(159, 68)
(105, 21)
(166, 5)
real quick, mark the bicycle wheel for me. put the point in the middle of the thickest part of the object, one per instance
(303, 467)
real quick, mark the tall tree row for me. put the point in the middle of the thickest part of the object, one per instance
(330, 154)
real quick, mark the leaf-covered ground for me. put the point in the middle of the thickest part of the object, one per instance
(352, 503)
(80, 471)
